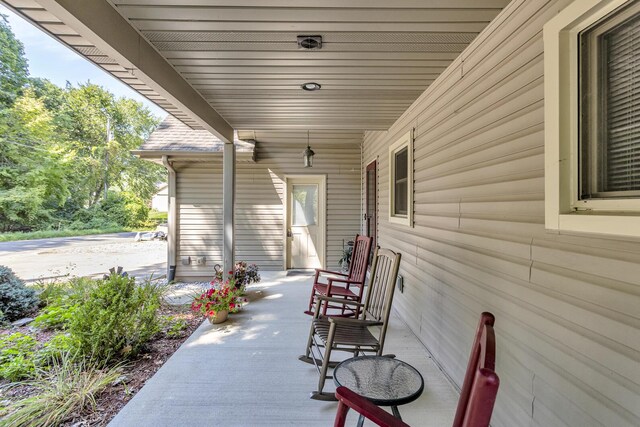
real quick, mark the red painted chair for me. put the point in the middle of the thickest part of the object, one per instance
(477, 397)
(350, 400)
(348, 286)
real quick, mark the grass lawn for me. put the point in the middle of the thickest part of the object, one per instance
(47, 234)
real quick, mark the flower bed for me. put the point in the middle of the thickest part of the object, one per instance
(92, 347)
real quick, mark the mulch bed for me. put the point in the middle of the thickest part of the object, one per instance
(135, 373)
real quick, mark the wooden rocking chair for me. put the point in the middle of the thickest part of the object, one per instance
(340, 285)
(477, 397)
(330, 333)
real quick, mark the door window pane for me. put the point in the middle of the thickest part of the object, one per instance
(304, 209)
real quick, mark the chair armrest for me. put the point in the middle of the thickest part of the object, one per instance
(365, 407)
(356, 322)
(318, 270)
(326, 300)
(340, 280)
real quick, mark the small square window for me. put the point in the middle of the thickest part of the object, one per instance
(401, 181)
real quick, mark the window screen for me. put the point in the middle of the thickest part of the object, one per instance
(610, 108)
(401, 181)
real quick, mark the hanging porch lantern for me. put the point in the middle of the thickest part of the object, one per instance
(307, 154)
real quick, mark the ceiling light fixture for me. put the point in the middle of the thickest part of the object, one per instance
(311, 86)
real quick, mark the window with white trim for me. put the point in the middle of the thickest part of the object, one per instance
(592, 118)
(401, 180)
(609, 138)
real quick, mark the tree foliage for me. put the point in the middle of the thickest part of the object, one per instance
(13, 65)
(55, 156)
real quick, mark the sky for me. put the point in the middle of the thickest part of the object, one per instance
(52, 60)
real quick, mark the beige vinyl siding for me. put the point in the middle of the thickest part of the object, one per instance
(259, 213)
(199, 198)
(567, 306)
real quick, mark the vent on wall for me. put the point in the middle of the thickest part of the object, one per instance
(310, 42)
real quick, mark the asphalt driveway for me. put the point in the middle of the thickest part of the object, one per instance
(83, 256)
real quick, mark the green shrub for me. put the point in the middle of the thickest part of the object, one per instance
(59, 346)
(17, 356)
(61, 301)
(117, 318)
(48, 292)
(55, 317)
(15, 298)
(175, 327)
(158, 216)
(121, 209)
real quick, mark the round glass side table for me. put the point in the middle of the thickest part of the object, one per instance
(383, 380)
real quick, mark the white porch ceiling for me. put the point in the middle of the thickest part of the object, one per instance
(377, 56)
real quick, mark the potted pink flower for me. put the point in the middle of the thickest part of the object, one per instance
(218, 301)
(244, 274)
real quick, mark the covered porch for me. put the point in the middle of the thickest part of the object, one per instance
(475, 102)
(246, 372)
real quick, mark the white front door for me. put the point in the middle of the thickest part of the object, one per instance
(305, 222)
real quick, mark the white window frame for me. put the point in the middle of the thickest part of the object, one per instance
(405, 140)
(563, 210)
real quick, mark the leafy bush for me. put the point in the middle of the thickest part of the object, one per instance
(121, 209)
(61, 300)
(175, 327)
(15, 298)
(117, 318)
(18, 368)
(156, 218)
(48, 292)
(65, 390)
(55, 317)
(17, 356)
(243, 274)
(58, 347)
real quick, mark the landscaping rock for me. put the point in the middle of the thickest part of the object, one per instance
(22, 322)
(153, 235)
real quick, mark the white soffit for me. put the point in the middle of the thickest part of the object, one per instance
(242, 56)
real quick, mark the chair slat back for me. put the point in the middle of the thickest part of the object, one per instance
(480, 387)
(360, 259)
(382, 284)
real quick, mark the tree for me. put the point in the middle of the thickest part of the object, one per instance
(33, 170)
(84, 120)
(55, 159)
(49, 93)
(13, 65)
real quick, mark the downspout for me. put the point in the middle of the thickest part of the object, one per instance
(173, 218)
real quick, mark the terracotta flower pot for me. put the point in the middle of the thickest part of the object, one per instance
(219, 317)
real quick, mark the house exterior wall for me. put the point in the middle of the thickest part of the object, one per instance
(260, 188)
(160, 200)
(567, 306)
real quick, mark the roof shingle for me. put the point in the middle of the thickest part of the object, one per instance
(174, 136)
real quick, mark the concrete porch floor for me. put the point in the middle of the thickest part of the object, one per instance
(245, 372)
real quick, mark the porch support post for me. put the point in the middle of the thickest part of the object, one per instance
(228, 202)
